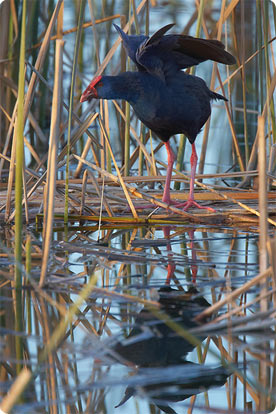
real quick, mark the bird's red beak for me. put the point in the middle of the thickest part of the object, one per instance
(91, 92)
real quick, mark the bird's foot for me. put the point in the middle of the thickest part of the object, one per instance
(184, 206)
(193, 203)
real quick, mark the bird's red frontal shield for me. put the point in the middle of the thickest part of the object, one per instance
(91, 92)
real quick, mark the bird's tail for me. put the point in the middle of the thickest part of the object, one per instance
(216, 96)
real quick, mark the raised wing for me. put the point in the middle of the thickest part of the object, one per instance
(163, 55)
(131, 44)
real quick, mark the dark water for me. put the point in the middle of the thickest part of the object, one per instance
(136, 342)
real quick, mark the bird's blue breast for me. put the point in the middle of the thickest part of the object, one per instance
(182, 105)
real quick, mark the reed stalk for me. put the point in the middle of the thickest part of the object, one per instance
(261, 76)
(127, 111)
(262, 195)
(182, 138)
(28, 273)
(50, 189)
(19, 137)
(271, 111)
(16, 390)
(127, 140)
(141, 155)
(71, 102)
(263, 255)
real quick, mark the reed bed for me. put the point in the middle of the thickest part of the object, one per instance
(94, 148)
(68, 168)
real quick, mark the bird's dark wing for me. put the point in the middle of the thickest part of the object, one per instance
(131, 44)
(163, 55)
(157, 36)
(155, 56)
(203, 49)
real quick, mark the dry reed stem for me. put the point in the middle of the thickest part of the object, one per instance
(83, 155)
(141, 194)
(141, 145)
(94, 30)
(82, 123)
(84, 26)
(244, 206)
(231, 124)
(29, 98)
(207, 125)
(231, 296)
(229, 358)
(40, 60)
(118, 41)
(99, 192)
(50, 367)
(176, 177)
(243, 307)
(29, 171)
(272, 256)
(25, 197)
(253, 155)
(15, 391)
(66, 300)
(52, 161)
(229, 9)
(35, 186)
(9, 135)
(120, 178)
(239, 68)
(263, 375)
(262, 195)
(78, 132)
(123, 265)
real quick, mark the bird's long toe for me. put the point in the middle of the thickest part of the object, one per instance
(193, 203)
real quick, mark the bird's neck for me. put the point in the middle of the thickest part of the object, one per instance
(123, 86)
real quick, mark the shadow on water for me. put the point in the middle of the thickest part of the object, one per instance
(138, 343)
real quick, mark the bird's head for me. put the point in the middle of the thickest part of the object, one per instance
(92, 90)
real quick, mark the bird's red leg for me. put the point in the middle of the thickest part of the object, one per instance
(191, 201)
(171, 157)
(171, 265)
(166, 194)
(194, 267)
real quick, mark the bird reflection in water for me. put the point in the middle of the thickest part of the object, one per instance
(158, 347)
(153, 344)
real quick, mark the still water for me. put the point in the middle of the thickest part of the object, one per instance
(137, 343)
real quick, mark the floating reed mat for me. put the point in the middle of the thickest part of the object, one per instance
(244, 209)
(94, 201)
